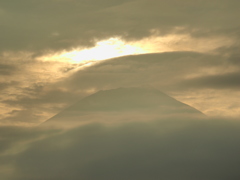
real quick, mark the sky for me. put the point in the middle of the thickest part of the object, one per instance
(53, 53)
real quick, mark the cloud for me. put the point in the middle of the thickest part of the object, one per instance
(175, 73)
(139, 143)
(7, 69)
(15, 140)
(23, 81)
(168, 148)
(30, 26)
(13, 135)
(164, 68)
(34, 89)
(32, 30)
(5, 85)
(38, 104)
(219, 81)
(171, 71)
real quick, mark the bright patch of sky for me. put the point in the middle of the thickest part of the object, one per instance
(115, 47)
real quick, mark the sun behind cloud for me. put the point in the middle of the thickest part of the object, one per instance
(116, 47)
(106, 49)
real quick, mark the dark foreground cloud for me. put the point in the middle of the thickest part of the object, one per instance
(13, 139)
(175, 148)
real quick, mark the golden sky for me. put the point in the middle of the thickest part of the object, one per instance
(53, 53)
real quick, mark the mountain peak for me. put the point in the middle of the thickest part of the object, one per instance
(122, 103)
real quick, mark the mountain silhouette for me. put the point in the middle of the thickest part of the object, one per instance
(122, 104)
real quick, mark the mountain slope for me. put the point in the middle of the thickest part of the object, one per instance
(122, 104)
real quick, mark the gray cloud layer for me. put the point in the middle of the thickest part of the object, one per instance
(42, 25)
(169, 149)
(7, 69)
(222, 81)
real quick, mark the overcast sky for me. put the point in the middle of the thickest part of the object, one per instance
(53, 53)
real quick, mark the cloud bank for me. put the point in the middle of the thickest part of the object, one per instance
(58, 25)
(166, 148)
(179, 146)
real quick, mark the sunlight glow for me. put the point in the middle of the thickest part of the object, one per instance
(104, 50)
(113, 47)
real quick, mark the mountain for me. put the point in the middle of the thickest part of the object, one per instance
(117, 145)
(121, 105)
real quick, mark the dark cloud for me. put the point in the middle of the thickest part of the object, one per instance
(43, 25)
(48, 24)
(15, 139)
(168, 149)
(219, 81)
(232, 52)
(11, 135)
(5, 85)
(42, 95)
(6, 70)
